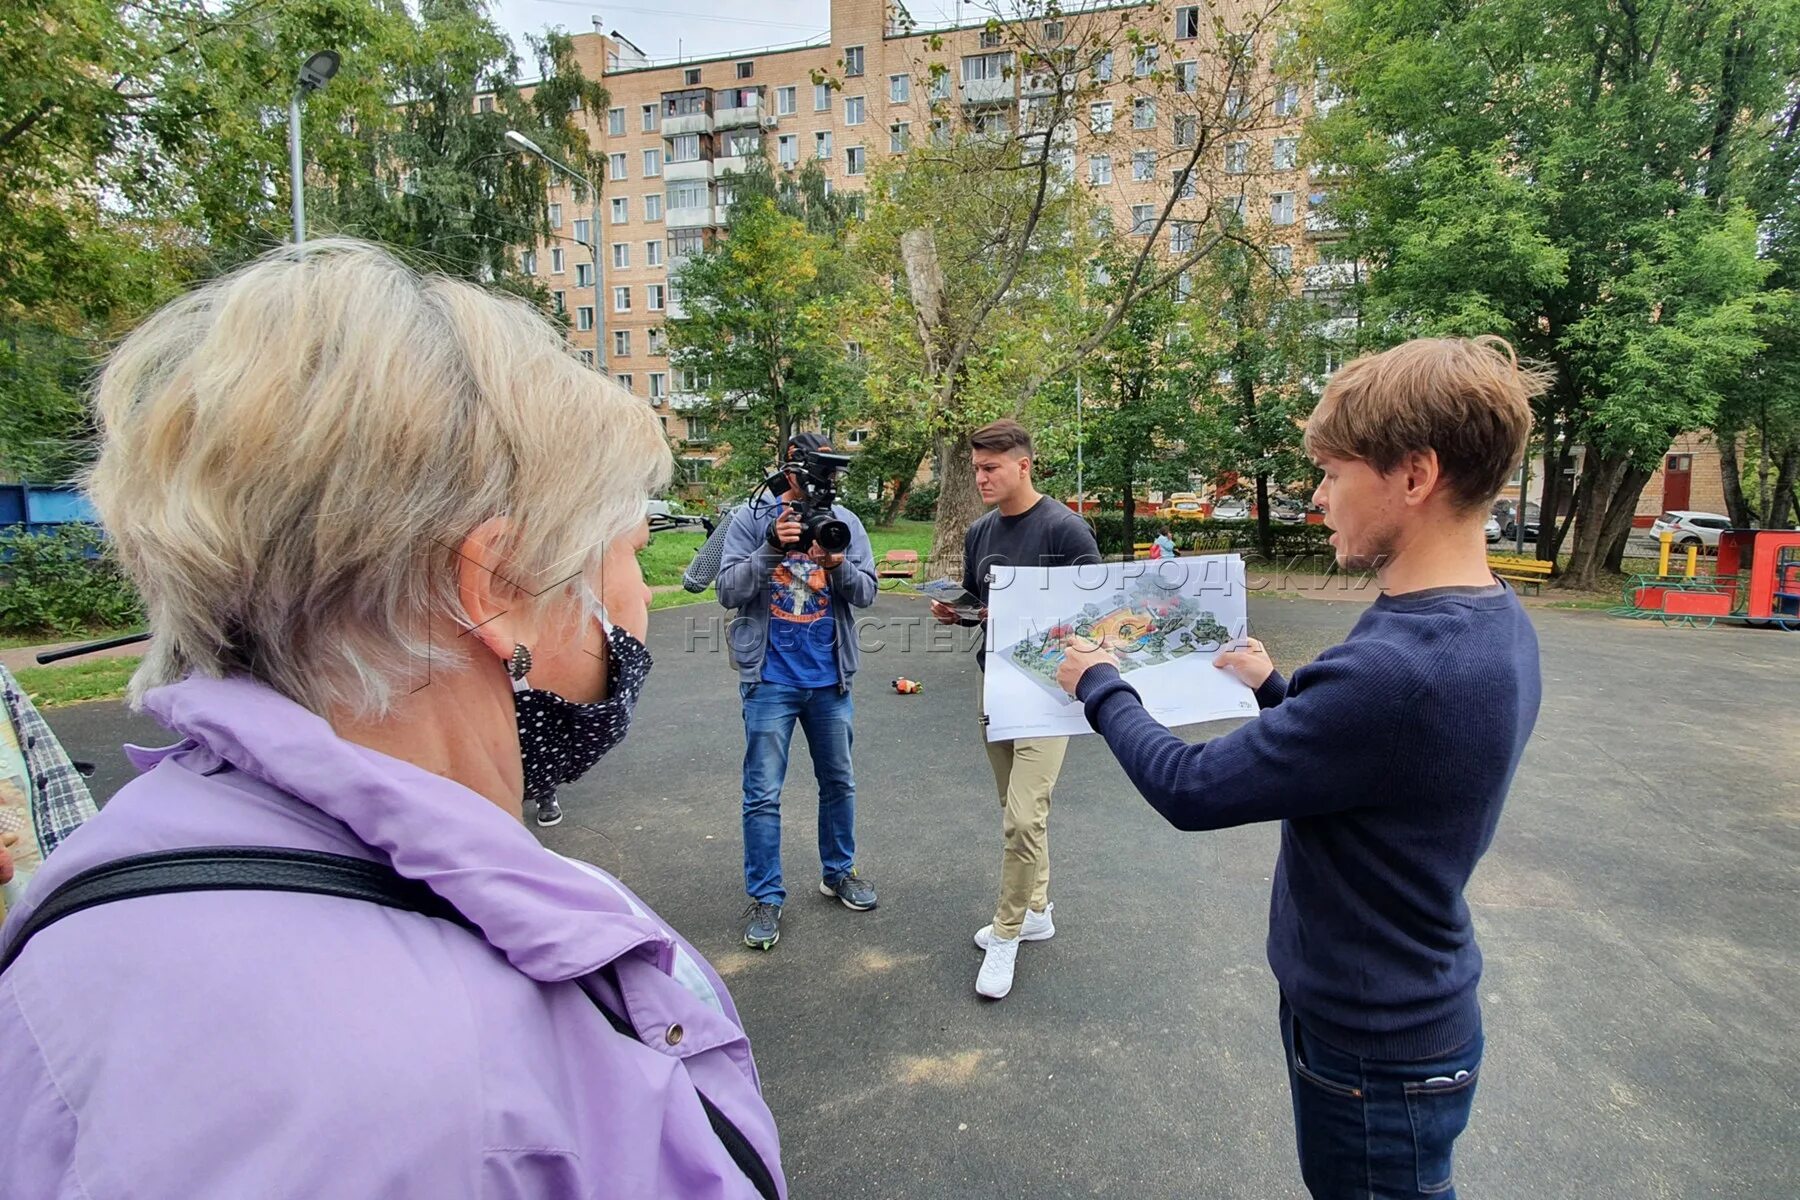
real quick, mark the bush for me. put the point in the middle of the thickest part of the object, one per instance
(63, 583)
(921, 503)
(1200, 537)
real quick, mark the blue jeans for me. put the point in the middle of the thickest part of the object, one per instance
(1369, 1129)
(770, 710)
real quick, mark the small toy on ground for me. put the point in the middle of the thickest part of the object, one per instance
(907, 687)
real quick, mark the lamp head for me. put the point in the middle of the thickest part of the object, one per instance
(515, 138)
(318, 69)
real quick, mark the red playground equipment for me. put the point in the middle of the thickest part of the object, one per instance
(1755, 579)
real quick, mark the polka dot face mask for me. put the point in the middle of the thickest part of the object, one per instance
(560, 740)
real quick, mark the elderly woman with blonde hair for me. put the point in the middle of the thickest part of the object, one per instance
(380, 521)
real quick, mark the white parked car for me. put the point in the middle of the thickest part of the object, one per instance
(1691, 528)
(1492, 528)
(1231, 510)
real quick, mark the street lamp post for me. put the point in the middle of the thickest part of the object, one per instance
(515, 138)
(315, 73)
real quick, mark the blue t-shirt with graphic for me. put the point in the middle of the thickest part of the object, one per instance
(802, 650)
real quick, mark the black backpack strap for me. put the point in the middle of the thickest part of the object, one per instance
(270, 869)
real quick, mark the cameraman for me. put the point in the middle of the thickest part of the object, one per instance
(794, 645)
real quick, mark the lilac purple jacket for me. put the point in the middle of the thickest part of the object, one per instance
(252, 1044)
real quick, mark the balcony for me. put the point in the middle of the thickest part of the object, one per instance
(676, 172)
(698, 217)
(685, 401)
(689, 123)
(736, 118)
(1323, 226)
(1046, 83)
(735, 163)
(988, 91)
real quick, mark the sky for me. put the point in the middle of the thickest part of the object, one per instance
(692, 28)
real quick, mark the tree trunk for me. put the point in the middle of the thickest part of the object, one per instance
(1784, 488)
(1615, 553)
(1264, 540)
(1605, 524)
(1550, 503)
(1130, 508)
(958, 506)
(1737, 505)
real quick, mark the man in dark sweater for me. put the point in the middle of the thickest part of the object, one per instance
(1386, 759)
(1023, 529)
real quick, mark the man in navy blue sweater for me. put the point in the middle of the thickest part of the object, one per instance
(1386, 760)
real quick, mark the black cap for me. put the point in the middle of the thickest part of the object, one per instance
(802, 444)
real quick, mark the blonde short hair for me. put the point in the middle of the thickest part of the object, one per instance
(293, 454)
(1467, 399)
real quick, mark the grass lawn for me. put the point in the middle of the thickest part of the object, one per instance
(21, 641)
(78, 682)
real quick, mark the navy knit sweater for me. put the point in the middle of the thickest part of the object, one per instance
(1386, 759)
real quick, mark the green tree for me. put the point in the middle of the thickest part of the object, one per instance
(1562, 174)
(763, 325)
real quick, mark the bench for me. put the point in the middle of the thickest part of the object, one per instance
(1141, 549)
(896, 567)
(1521, 572)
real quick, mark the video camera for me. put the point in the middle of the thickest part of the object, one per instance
(815, 474)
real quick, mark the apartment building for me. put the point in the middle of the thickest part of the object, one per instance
(675, 131)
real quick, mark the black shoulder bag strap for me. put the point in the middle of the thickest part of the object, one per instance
(266, 869)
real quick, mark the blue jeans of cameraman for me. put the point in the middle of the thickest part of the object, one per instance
(770, 712)
(1370, 1129)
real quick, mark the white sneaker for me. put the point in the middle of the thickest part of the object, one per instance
(1038, 927)
(996, 975)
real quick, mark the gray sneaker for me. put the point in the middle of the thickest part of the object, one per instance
(851, 889)
(549, 812)
(762, 925)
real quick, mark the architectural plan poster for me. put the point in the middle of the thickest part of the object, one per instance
(1163, 619)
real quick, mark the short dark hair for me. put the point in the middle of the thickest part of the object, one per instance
(1001, 437)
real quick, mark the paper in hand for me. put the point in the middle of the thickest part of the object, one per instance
(948, 591)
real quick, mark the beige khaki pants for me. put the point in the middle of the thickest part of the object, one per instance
(1025, 771)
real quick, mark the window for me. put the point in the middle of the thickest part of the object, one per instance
(1237, 158)
(690, 77)
(853, 110)
(1103, 68)
(1184, 285)
(746, 70)
(899, 137)
(653, 206)
(854, 351)
(556, 260)
(822, 144)
(1187, 76)
(1187, 22)
(1053, 32)
(1281, 256)
(940, 82)
(485, 104)
(658, 339)
(659, 385)
(621, 210)
(985, 66)
(726, 194)
(940, 131)
(556, 216)
(1143, 166)
(652, 163)
(1287, 99)
(853, 61)
(1143, 113)
(1187, 129)
(615, 122)
(1237, 106)
(625, 381)
(899, 89)
(1100, 117)
(685, 243)
(1100, 169)
(622, 299)
(697, 432)
(557, 300)
(1144, 61)
(1235, 205)
(1281, 208)
(528, 262)
(584, 317)
(990, 38)
(687, 194)
(621, 343)
(615, 165)
(821, 97)
(684, 147)
(647, 118)
(1181, 237)
(653, 253)
(584, 231)
(786, 102)
(1143, 218)
(587, 357)
(584, 275)
(1287, 154)
(621, 255)
(657, 296)
(691, 382)
(853, 160)
(739, 144)
(787, 149)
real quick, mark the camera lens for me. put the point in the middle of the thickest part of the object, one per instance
(832, 535)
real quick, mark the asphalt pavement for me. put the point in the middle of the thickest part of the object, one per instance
(1638, 911)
